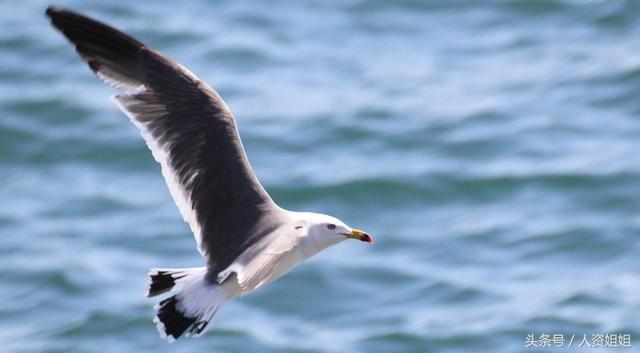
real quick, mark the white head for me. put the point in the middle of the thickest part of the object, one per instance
(324, 230)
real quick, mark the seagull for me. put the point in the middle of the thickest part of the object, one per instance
(246, 240)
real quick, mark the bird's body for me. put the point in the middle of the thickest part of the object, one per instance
(247, 240)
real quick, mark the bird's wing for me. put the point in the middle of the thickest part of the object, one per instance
(191, 133)
(268, 259)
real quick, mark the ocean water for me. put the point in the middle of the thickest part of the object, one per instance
(491, 147)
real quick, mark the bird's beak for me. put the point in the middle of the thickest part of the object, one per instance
(358, 234)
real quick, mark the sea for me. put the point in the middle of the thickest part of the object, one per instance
(491, 148)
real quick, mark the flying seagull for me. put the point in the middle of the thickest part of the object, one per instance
(245, 239)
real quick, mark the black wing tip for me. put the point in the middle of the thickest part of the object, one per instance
(61, 18)
(100, 45)
(65, 19)
(54, 13)
(52, 10)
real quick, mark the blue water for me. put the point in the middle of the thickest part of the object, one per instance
(491, 147)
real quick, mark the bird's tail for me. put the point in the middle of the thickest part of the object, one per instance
(192, 306)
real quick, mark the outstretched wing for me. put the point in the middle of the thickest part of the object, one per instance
(191, 133)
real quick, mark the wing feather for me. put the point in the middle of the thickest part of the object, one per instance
(267, 260)
(190, 132)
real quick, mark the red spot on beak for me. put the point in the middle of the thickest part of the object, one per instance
(366, 237)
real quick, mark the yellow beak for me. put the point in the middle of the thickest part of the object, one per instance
(358, 234)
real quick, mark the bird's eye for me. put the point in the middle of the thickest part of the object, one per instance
(331, 226)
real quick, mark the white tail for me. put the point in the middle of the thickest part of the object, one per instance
(193, 305)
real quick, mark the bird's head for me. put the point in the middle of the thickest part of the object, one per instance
(331, 229)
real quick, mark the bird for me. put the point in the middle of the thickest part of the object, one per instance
(245, 239)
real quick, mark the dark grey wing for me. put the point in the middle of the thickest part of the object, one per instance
(190, 132)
